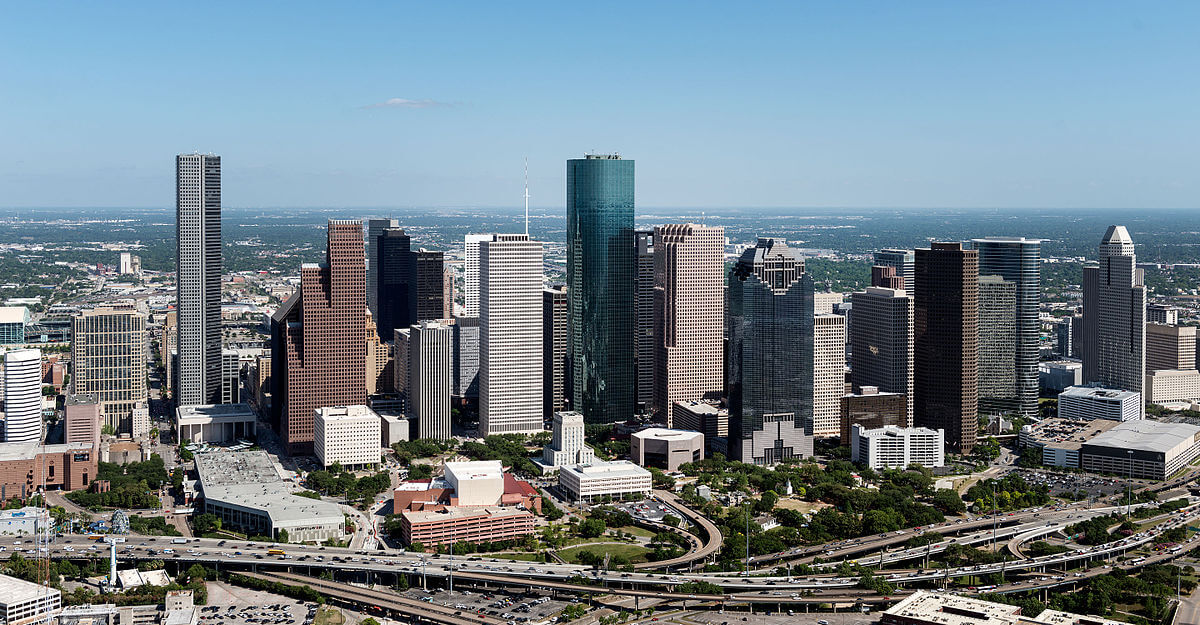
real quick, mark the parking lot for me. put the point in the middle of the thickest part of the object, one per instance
(648, 510)
(1061, 483)
(509, 607)
(228, 605)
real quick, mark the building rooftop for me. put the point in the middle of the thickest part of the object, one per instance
(346, 413)
(894, 430)
(1067, 433)
(14, 314)
(949, 609)
(13, 590)
(665, 434)
(30, 450)
(701, 407)
(81, 399)
(613, 468)
(475, 470)
(250, 479)
(453, 513)
(1146, 435)
(214, 411)
(1101, 394)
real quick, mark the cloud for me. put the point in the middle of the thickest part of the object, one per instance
(405, 103)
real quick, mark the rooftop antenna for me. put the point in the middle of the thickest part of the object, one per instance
(526, 196)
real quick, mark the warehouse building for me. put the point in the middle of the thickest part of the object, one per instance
(1144, 449)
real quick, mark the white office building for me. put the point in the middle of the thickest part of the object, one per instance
(23, 396)
(1172, 386)
(1089, 402)
(346, 435)
(589, 482)
(510, 335)
(223, 423)
(476, 483)
(471, 273)
(24, 602)
(891, 447)
(567, 444)
(829, 373)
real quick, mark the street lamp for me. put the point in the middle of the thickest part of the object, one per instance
(1129, 485)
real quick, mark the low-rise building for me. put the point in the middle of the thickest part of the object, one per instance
(929, 608)
(452, 525)
(1092, 402)
(1172, 386)
(1060, 375)
(617, 478)
(24, 602)
(1144, 449)
(215, 423)
(706, 417)
(892, 447)
(477, 483)
(347, 435)
(23, 522)
(666, 449)
(394, 429)
(25, 467)
(1061, 439)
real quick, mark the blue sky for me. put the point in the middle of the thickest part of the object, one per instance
(792, 104)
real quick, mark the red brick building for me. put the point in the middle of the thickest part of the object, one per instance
(68, 467)
(474, 525)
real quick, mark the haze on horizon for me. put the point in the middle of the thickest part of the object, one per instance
(787, 105)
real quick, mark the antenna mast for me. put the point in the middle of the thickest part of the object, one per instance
(526, 196)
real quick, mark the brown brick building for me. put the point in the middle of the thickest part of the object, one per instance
(68, 467)
(872, 410)
(318, 351)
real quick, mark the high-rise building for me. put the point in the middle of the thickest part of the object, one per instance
(997, 346)
(689, 314)
(1064, 333)
(903, 260)
(81, 417)
(466, 358)
(829, 373)
(471, 273)
(13, 321)
(1170, 347)
(881, 342)
(231, 373)
(1017, 260)
(23, 396)
(318, 352)
(447, 291)
(394, 300)
(198, 277)
(567, 446)
(601, 267)
(770, 365)
(429, 296)
(510, 335)
(1114, 316)
(872, 409)
(346, 435)
(108, 349)
(375, 228)
(554, 350)
(379, 367)
(430, 349)
(946, 343)
(169, 347)
(1165, 314)
(643, 311)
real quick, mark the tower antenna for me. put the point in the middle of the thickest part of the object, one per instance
(526, 196)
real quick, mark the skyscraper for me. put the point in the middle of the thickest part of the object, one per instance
(903, 260)
(318, 351)
(554, 350)
(997, 346)
(375, 228)
(600, 269)
(23, 396)
(1114, 316)
(471, 273)
(689, 295)
(395, 267)
(1017, 260)
(881, 340)
(510, 335)
(1170, 347)
(429, 296)
(829, 373)
(946, 343)
(643, 311)
(198, 277)
(770, 365)
(430, 377)
(466, 359)
(108, 351)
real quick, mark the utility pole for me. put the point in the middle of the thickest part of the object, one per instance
(1129, 486)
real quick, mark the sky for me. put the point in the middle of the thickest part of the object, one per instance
(790, 104)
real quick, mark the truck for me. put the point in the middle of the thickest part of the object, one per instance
(179, 541)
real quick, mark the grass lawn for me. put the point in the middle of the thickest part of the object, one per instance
(329, 616)
(640, 532)
(635, 553)
(801, 505)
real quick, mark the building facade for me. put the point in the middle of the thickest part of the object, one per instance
(1170, 347)
(1016, 260)
(872, 410)
(567, 444)
(108, 352)
(23, 396)
(666, 449)
(891, 447)
(997, 346)
(881, 341)
(375, 228)
(589, 482)
(13, 321)
(475, 525)
(829, 373)
(644, 352)
(554, 350)
(347, 435)
(904, 261)
(471, 273)
(1114, 316)
(430, 350)
(1173, 386)
(1088, 402)
(601, 266)
(198, 277)
(82, 420)
(510, 335)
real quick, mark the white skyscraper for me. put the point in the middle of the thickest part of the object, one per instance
(510, 335)
(1114, 316)
(429, 350)
(375, 228)
(198, 281)
(471, 273)
(23, 396)
(829, 373)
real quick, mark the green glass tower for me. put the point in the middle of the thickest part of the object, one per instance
(601, 274)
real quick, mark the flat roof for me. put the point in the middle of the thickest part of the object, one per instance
(948, 609)
(613, 468)
(475, 470)
(14, 314)
(455, 513)
(215, 411)
(664, 433)
(14, 590)
(1146, 435)
(701, 407)
(249, 479)
(1101, 394)
(30, 450)
(1067, 434)
(345, 413)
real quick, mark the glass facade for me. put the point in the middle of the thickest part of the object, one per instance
(601, 274)
(770, 367)
(1019, 261)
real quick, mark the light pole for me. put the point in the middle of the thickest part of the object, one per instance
(1129, 485)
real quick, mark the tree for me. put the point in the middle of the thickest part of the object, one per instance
(671, 520)
(417, 546)
(948, 501)
(574, 611)
(282, 535)
(207, 523)
(767, 501)
(591, 528)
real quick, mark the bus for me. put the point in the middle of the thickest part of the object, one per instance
(274, 552)
(95, 536)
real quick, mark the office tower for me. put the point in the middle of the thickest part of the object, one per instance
(946, 343)
(829, 373)
(1017, 260)
(600, 270)
(13, 321)
(554, 350)
(1162, 313)
(881, 341)
(997, 346)
(770, 366)
(903, 260)
(231, 369)
(871, 409)
(447, 292)
(466, 358)
(429, 296)
(886, 277)
(318, 352)
(375, 228)
(379, 365)
(81, 420)
(1170, 347)
(1114, 316)
(643, 310)
(827, 303)
(1065, 330)
(706, 417)
(471, 273)
(400, 350)
(23, 396)
(108, 349)
(689, 294)
(169, 346)
(430, 348)
(510, 335)
(567, 446)
(395, 300)
(198, 277)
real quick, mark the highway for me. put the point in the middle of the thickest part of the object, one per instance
(712, 536)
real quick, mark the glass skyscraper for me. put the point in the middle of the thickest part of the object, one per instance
(601, 273)
(1017, 261)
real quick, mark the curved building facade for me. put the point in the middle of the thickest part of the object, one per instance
(23, 396)
(1018, 261)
